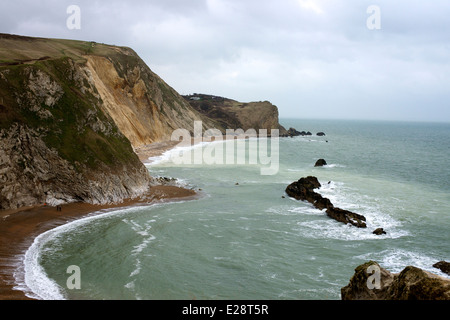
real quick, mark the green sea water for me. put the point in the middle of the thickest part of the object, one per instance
(244, 238)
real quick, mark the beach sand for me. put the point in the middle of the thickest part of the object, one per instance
(19, 228)
(154, 149)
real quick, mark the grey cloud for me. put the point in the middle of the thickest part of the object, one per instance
(306, 56)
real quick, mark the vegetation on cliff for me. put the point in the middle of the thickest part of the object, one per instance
(73, 112)
(232, 114)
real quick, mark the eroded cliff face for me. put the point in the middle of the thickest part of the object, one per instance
(142, 105)
(58, 141)
(31, 173)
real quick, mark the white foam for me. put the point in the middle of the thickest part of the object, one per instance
(334, 165)
(395, 260)
(32, 279)
(167, 156)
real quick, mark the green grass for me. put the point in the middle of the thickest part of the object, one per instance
(69, 131)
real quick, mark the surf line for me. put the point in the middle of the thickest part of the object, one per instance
(232, 152)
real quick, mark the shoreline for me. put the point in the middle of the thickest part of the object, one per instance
(19, 227)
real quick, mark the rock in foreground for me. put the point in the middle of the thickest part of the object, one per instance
(372, 282)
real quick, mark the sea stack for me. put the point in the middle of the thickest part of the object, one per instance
(303, 189)
(320, 163)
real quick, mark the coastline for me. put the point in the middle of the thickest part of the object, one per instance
(19, 227)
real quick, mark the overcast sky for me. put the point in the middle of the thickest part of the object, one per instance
(311, 58)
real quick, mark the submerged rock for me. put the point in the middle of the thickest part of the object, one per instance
(372, 282)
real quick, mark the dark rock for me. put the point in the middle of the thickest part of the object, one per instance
(163, 181)
(372, 282)
(310, 182)
(320, 163)
(320, 134)
(303, 189)
(322, 203)
(346, 216)
(292, 132)
(379, 231)
(444, 266)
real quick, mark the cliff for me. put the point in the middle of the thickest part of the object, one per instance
(71, 114)
(232, 114)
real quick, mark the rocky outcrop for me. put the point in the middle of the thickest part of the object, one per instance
(303, 189)
(372, 282)
(292, 132)
(231, 114)
(444, 266)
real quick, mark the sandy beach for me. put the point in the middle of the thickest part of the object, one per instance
(19, 228)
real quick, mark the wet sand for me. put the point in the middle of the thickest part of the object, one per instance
(19, 228)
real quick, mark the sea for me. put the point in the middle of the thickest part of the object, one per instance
(244, 238)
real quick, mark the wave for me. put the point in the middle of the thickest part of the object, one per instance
(334, 165)
(167, 156)
(32, 279)
(395, 260)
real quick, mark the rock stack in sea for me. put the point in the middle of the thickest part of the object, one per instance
(320, 163)
(303, 189)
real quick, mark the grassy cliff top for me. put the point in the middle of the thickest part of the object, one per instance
(16, 49)
(39, 89)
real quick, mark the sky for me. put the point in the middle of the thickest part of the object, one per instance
(321, 59)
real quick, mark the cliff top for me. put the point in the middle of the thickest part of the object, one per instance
(15, 49)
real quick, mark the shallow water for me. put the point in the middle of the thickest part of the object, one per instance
(246, 241)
